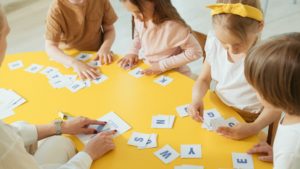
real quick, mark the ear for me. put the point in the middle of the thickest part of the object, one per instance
(261, 26)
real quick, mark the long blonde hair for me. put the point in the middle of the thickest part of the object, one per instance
(237, 25)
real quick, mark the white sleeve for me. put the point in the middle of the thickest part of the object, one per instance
(27, 132)
(80, 161)
(13, 154)
(210, 46)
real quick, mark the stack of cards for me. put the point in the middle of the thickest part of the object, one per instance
(242, 160)
(166, 154)
(163, 80)
(9, 100)
(143, 141)
(182, 110)
(188, 167)
(213, 120)
(114, 122)
(163, 121)
(58, 80)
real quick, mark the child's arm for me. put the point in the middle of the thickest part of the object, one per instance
(84, 71)
(244, 130)
(104, 54)
(199, 91)
(132, 58)
(191, 50)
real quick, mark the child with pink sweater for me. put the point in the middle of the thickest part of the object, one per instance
(164, 37)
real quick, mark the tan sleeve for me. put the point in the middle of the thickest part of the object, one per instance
(110, 16)
(53, 25)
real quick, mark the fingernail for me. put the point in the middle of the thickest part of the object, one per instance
(105, 122)
(95, 132)
(115, 130)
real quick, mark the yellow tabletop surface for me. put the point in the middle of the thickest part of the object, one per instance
(135, 101)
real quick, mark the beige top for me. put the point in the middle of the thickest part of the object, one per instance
(13, 155)
(79, 26)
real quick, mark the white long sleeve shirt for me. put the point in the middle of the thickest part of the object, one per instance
(287, 146)
(13, 154)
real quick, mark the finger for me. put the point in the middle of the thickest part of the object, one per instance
(97, 58)
(109, 133)
(92, 74)
(105, 59)
(124, 63)
(88, 131)
(81, 76)
(87, 76)
(120, 60)
(224, 130)
(259, 150)
(266, 158)
(109, 58)
(91, 122)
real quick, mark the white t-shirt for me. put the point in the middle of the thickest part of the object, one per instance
(13, 154)
(286, 148)
(232, 86)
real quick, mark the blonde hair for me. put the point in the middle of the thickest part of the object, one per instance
(237, 25)
(273, 69)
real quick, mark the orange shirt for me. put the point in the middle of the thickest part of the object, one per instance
(79, 26)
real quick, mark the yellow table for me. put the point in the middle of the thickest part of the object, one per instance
(135, 101)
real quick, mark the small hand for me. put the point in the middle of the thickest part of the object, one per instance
(128, 61)
(264, 150)
(105, 56)
(85, 71)
(196, 111)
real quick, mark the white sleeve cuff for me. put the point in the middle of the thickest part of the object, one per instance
(27, 132)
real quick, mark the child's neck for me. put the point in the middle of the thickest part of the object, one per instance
(235, 57)
(77, 2)
(290, 119)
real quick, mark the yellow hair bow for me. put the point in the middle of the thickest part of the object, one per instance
(237, 9)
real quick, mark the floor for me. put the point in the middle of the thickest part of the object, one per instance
(27, 18)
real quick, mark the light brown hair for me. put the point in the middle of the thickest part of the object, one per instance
(2, 17)
(235, 24)
(273, 69)
(163, 11)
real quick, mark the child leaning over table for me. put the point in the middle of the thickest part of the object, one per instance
(85, 25)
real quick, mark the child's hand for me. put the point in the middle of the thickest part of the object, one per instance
(128, 61)
(196, 111)
(264, 150)
(105, 56)
(153, 70)
(240, 131)
(85, 71)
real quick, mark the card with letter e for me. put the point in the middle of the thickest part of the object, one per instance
(242, 160)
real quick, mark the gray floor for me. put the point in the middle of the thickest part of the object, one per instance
(27, 18)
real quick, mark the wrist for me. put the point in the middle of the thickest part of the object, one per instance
(57, 124)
